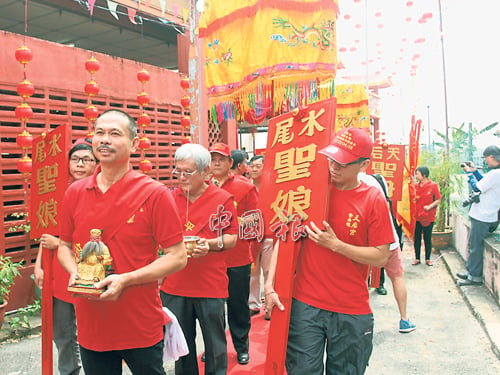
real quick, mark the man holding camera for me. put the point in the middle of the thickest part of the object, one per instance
(483, 213)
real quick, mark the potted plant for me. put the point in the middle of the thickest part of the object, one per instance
(444, 169)
(8, 271)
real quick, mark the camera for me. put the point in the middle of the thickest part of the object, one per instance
(473, 198)
(466, 163)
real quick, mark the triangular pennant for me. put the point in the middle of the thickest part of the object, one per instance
(112, 8)
(131, 15)
(91, 6)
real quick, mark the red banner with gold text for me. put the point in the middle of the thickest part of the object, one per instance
(294, 192)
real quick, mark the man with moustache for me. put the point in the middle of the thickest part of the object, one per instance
(126, 322)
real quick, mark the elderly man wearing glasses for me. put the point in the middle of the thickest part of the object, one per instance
(198, 292)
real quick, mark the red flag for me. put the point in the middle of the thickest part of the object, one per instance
(406, 207)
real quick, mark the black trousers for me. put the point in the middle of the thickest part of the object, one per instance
(210, 315)
(238, 312)
(417, 242)
(140, 361)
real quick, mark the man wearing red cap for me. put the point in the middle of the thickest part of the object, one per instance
(330, 303)
(239, 258)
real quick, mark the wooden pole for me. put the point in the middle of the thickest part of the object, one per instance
(280, 320)
(47, 311)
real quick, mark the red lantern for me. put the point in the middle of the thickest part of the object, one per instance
(92, 88)
(145, 165)
(24, 139)
(23, 111)
(23, 54)
(92, 65)
(25, 88)
(185, 122)
(143, 120)
(143, 76)
(144, 143)
(185, 82)
(91, 112)
(143, 98)
(24, 165)
(185, 101)
(186, 139)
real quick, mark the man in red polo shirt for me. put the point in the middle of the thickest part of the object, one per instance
(239, 259)
(198, 292)
(330, 306)
(126, 322)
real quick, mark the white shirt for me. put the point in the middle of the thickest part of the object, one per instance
(489, 200)
(371, 181)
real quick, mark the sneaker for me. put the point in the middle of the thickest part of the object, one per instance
(416, 262)
(429, 262)
(406, 326)
(382, 291)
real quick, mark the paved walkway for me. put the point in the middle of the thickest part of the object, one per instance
(458, 329)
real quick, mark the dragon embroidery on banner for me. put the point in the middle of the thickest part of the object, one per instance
(322, 37)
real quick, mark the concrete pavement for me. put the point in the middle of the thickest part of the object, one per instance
(458, 329)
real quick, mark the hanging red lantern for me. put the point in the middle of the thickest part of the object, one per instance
(23, 54)
(185, 101)
(24, 139)
(144, 143)
(23, 111)
(185, 82)
(143, 120)
(91, 112)
(25, 88)
(24, 165)
(185, 122)
(145, 165)
(143, 76)
(186, 139)
(143, 98)
(92, 65)
(92, 88)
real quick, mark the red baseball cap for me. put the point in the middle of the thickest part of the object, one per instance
(220, 148)
(349, 145)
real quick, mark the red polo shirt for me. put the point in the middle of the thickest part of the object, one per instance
(136, 320)
(245, 199)
(205, 276)
(426, 194)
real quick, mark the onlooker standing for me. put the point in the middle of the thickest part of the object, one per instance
(330, 306)
(137, 216)
(239, 165)
(82, 163)
(262, 257)
(484, 214)
(238, 259)
(199, 291)
(428, 197)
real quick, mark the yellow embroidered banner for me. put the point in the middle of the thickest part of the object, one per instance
(352, 107)
(254, 47)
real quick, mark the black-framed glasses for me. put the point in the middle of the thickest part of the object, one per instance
(85, 160)
(178, 173)
(342, 165)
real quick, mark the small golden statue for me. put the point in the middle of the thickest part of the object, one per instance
(92, 263)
